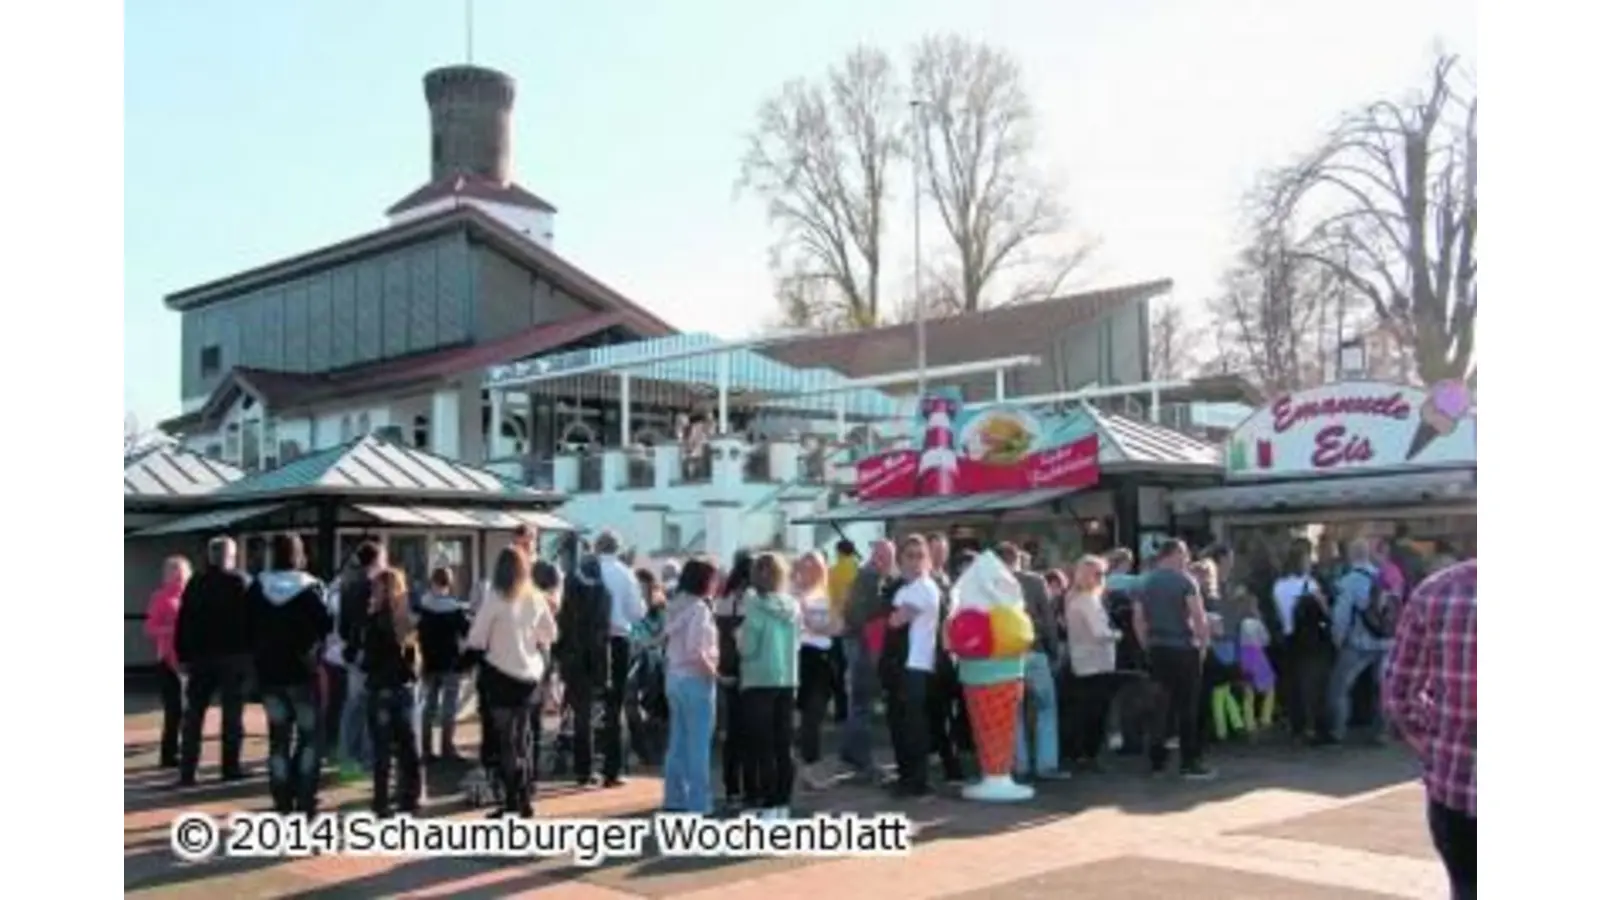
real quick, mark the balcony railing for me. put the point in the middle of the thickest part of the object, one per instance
(758, 463)
(590, 472)
(694, 467)
(641, 472)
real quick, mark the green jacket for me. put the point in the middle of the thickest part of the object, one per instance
(769, 642)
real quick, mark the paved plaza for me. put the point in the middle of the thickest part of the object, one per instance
(1279, 823)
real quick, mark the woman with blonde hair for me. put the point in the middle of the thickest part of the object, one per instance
(161, 627)
(769, 649)
(513, 632)
(389, 645)
(817, 630)
(1092, 654)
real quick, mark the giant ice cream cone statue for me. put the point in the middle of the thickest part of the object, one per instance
(937, 468)
(1447, 404)
(989, 633)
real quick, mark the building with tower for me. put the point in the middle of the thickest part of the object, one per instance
(458, 331)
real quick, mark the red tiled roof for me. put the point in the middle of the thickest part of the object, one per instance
(281, 391)
(471, 185)
(1014, 330)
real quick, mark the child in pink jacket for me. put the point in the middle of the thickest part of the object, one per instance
(161, 626)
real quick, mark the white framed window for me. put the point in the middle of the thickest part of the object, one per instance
(230, 443)
(269, 444)
(363, 424)
(347, 432)
(250, 445)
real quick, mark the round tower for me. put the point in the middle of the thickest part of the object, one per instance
(470, 109)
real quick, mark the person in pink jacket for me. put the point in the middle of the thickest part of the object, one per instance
(161, 626)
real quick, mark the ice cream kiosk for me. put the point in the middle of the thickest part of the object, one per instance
(1364, 456)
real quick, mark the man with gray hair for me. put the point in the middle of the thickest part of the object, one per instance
(1365, 612)
(213, 646)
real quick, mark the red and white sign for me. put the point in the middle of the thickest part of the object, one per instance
(1356, 426)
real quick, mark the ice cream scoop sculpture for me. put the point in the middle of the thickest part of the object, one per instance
(989, 633)
(1448, 403)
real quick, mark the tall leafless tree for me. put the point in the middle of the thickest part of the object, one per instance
(1174, 343)
(976, 134)
(820, 156)
(131, 436)
(1270, 317)
(1389, 205)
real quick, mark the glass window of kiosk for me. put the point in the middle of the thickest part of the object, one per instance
(409, 554)
(455, 552)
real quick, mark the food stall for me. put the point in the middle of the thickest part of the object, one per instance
(1057, 483)
(1348, 459)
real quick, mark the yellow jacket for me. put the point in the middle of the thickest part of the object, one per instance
(841, 578)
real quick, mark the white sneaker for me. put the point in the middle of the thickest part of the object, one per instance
(769, 814)
(783, 812)
(1114, 743)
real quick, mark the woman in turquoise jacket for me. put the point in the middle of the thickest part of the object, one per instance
(769, 672)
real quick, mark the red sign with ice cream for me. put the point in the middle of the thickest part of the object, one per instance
(984, 450)
(1357, 426)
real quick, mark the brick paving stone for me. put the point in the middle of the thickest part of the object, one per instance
(1385, 824)
(1135, 878)
(1279, 823)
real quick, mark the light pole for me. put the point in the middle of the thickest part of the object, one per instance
(920, 310)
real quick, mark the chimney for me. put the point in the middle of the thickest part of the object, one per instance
(470, 110)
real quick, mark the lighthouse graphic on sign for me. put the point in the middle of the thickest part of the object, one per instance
(938, 467)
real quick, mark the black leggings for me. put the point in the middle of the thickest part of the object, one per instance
(1090, 704)
(1455, 836)
(768, 726)
(735, 745)
(816, 688)
(514, 710)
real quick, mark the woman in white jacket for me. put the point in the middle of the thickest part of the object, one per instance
(1092, 649)
(513, 631)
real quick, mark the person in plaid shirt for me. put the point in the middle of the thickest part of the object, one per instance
(1430, 694)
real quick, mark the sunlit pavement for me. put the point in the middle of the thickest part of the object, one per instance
(1279, 823)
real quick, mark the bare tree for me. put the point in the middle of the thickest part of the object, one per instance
(130, 433)
(1270, 317)
(1174, 344)
(1389, 205)
(820, 157)
(976, 133)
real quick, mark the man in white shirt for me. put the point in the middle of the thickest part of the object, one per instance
(627, 608)
(916, 608)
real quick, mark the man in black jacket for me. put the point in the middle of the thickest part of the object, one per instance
(213, 646)
(583, 655)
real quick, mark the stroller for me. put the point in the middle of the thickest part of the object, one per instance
(644, 702)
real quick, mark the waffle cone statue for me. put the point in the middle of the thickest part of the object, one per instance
(989, 633)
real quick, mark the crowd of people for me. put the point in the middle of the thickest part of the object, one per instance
(763, 652)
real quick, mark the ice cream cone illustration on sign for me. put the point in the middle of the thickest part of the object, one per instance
(989, 633)
(1447, 404)
(938, 467)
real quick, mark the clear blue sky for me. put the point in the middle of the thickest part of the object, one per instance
(259, 130)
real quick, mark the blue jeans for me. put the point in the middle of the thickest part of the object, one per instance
(691, 718)
(441, 696)
(294, 751)
(1346, 670)
(391, 723)
(861, 673)
(355, 740)
(1039, 693)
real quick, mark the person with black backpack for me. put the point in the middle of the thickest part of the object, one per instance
(1365, 613)
(1305, 644)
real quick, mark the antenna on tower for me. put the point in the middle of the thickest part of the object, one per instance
(469, 32)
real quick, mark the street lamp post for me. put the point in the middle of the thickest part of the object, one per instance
(920, 310)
